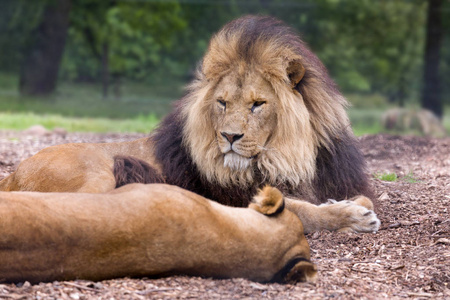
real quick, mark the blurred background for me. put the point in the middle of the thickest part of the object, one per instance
(117, 65)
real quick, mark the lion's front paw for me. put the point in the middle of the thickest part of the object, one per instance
(352, 217)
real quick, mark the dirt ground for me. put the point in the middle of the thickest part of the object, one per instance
(408, 258)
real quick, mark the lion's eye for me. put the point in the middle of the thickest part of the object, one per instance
(257, 104)
(222, 102)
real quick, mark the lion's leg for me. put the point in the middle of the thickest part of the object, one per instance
(65, 178)
(346, 215)
(64, 168)
(7, 184)
(100, 181)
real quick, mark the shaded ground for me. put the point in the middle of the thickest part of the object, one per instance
(408, 258)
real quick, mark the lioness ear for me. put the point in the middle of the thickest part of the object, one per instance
(295, 72)
(269, 201)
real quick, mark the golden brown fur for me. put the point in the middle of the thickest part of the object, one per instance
(286, 133)
(80, 167)
(148, 230)
(262, 110)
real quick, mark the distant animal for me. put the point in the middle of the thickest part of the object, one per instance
(149, 230)
(413, 120)
(261, 110)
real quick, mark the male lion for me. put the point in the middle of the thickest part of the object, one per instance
(261, 110)
(149, 230)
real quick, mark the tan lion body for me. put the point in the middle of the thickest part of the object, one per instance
(72, 173)
(147, 230)
(261, 110)
(78, 167)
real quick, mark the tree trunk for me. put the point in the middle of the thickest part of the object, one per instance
(39, 69)
(105, 69)
(431, 94)
(117, 86)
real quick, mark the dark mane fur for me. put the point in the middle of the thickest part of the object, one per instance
(340, 174)
(341, 171)
(128, 170)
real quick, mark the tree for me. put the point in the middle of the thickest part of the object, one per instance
(120, 38)
(371, 46)
(431, 95)
(39, 69)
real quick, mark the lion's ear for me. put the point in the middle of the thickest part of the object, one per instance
(295, 71)
(269, 201)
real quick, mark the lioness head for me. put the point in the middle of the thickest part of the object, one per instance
(260, 105)
(297, 265)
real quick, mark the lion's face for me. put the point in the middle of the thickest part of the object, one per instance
(246, 120)
(244, 115)
(259, 107)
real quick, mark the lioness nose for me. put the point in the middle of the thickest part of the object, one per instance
(231, 137)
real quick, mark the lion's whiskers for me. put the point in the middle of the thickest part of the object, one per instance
(263, 148)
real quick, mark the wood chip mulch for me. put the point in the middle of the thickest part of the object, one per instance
(408, 258)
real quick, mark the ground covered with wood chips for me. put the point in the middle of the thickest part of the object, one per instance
(408, 258)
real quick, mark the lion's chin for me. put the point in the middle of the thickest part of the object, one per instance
(235, 161)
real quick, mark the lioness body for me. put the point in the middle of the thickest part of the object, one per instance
(262, 110)
(147, 230)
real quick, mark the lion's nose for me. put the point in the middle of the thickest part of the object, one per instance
(231, 137)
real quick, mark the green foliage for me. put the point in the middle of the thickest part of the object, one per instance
(445, 54)
(15, 33)
(373, 46)
(370, 47)
(132, 35)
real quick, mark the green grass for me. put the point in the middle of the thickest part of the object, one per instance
(392, 177)
(367, 110)
(365, 121)
(21, 121)
(446, 119)
(85, 100)
(364, 101)
(81, 107)
(386, 176)
(410, 178)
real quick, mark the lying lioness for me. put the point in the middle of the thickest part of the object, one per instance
(149, 230)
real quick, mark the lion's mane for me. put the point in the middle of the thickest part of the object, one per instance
(312, 152)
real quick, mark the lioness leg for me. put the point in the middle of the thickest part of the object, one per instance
(354, 215)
